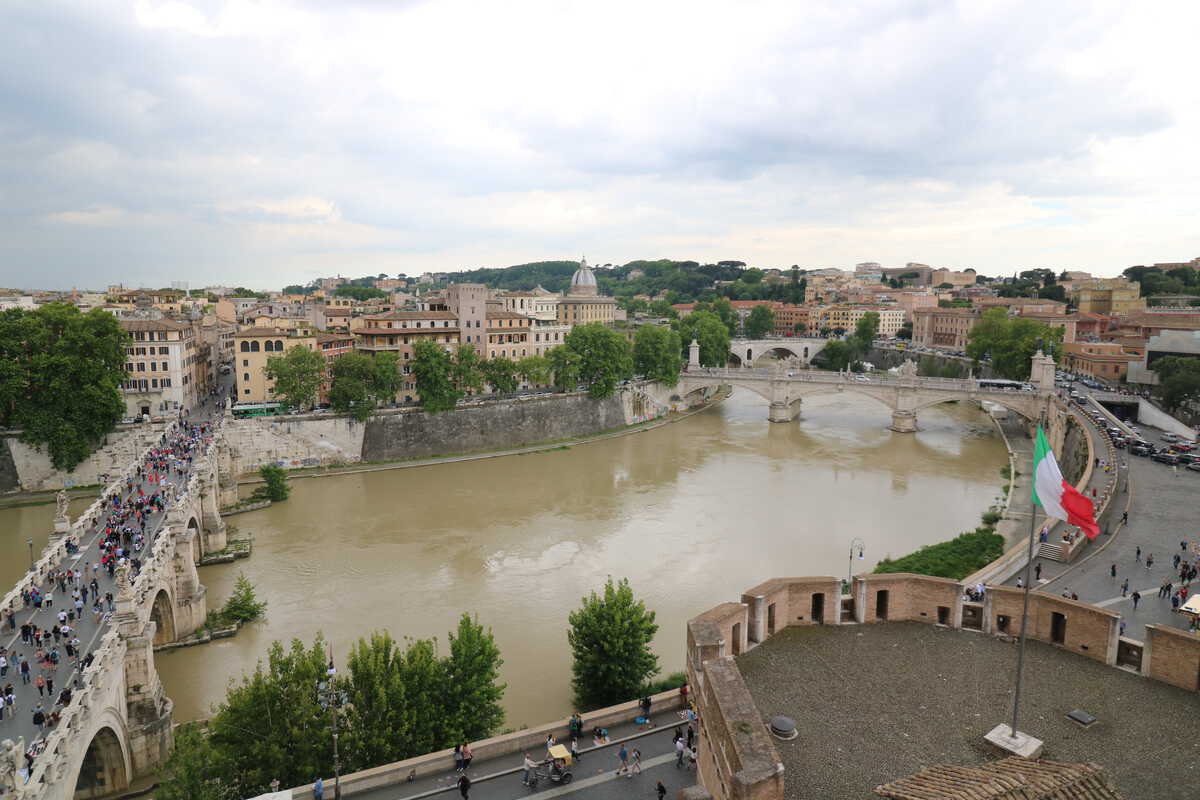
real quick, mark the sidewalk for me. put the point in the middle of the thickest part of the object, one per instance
(594, 772)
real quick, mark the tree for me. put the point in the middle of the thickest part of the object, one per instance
(359, 293)
(534, 370)
(865, 330)
(610, 639)
(1009, 342)
(658, 354)
(271, 725)
(298, 375)
(433, 369)
(468, 369)
(379, 719)
(501, 374)
(604, 357)
(386, 380)
(1179, 381)
(564, 366)
(60, 378)
(663, 309)
(760, 322)
(195, 770)
(471, 705)
(1053, 292)
(905, 331)
(709, 332)
(353, 375)
(275, 486)
(724, 311)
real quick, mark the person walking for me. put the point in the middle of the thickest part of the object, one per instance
(319, 790)
(1136, 596)
(458, 758)
(530, 766)
(637, 763)
(39, 718)
(662, 790)
(679, 747)
(1150, 561)
(1124, 587)
(464, 785)
(467, 755)
(1137, 556)
(1037, 571)
(1113, 570)
(623, 756)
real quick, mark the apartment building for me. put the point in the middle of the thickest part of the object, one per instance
(508, 336)
(1108, 360)
(946, 328)
(399, 331)
(331, 346)
(253, 347)
(541, 306)
(847, 317)
(164, 367)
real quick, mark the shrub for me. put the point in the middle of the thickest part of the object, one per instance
(955, 559)
(276, 486)
(672, 681)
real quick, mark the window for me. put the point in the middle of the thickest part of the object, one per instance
(245, 391)
(245, 346)
(246, 376)
(162, 351)
(154, 382)
(278, 346)
(268, 346)
(166, 382)
(164, 366)
(153, 366)
(254, 346)
(245, 362)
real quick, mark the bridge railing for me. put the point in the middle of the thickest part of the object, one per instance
(55, 550)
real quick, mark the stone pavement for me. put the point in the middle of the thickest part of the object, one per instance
(1161, 505)
(595, 771)
(18, 718)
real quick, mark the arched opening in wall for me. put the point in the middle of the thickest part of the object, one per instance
(163, 616)
(197, 547)
(102, 773)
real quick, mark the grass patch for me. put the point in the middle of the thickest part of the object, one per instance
(955, 559)
(672, 681)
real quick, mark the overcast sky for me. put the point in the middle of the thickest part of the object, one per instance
(265, 143)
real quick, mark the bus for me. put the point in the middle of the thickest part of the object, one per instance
(258, 410)
(1002, 383)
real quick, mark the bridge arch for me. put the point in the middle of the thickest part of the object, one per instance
(105, 767)
(162, 614)
(1017, 403)
(193, 527)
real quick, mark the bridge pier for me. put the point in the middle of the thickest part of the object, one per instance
(904, 421)
(783, 411)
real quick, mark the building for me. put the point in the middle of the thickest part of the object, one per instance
(1106, 360)
(1152, 323)
(252, 348)
(1034, 305)
(331, 346)
(846, 318)
(956, 280)
(1111, 300)
(332, 318)
(162, 366)
(945, 328)
(909, 301)
(468, 302)
(508, 335)
(1181, 344)
(792, 320)
(541, 307)
(583, 303)
(399, 331)
(1067, 322)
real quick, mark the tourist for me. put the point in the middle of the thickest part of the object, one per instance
(530, 766)
(575, 750)
(39, 718)
(683, 695)
(679, 748)
(1112, 571)
(1150, 561)
(1135, 596)
(662, 790)
(691, 737)
(458, 758)
(1124, 587)
(1020, 582)
(637, 762)
(575, 726)
(1137, 556)
(466, 756)
(1037, 571)
(319, 790)
(464, 785)
(623, 757)
(550, 741)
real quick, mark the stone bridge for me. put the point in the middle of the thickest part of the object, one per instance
(905, 394)
(118, 725)
(802, 349)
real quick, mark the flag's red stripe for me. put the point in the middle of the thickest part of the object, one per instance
(1079, 511)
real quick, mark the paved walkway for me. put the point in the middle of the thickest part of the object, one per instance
(18, 717)
(595, 771)
(1161, 515)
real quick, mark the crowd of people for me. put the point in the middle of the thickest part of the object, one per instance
(48, 653)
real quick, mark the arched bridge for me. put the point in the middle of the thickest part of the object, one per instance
(802, 349)
(905, 394)
(116, 725)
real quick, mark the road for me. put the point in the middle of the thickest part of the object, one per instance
(1161, 502)
(17, 721)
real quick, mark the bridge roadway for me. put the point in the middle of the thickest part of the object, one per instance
(17, 723)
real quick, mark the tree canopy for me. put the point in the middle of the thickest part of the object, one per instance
(658, 354)
(759, 322)
(433, 369)
(1010, 342)
(604, 357)
(361, 382)
(1179, 380)
(298, 375)
(709, 332)
(359, 293)
(60, 378)
(610, 637)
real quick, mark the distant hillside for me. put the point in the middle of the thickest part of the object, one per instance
(682, 281)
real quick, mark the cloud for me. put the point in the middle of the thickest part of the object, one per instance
(255, 140)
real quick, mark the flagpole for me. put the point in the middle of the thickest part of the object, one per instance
(1025, 599)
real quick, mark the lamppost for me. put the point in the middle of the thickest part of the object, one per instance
(30, 543)
(861, 545)
(332, 699)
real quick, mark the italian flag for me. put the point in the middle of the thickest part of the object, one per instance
(1052, 492)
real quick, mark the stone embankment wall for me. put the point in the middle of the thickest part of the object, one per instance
(740, 766)
(410, 433)
(25, 468)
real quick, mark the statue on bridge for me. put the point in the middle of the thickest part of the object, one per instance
(63, 501)
(11, 757)
(908, 369)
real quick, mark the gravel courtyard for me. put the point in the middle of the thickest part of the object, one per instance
(874, 703)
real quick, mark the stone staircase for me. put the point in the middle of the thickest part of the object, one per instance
(1050, 551)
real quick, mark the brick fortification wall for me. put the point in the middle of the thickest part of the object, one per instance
(737, 758)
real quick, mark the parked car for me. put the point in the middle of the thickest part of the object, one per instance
(1141, 450)
(1183, 447)
(1165, 458)
(1194, 466)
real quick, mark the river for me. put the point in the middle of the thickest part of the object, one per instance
(692, 513)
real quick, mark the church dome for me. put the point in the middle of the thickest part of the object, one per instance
(584, 280)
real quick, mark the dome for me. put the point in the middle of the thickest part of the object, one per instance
(584, 280)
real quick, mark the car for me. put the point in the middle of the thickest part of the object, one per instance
(1183, 447)
(1194, 466)
(1169, 437)
(1141, 450)
(1165, 458)
(1187, 459)
(862, 379)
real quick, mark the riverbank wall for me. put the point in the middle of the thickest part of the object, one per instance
(407, 434)
(27, 468)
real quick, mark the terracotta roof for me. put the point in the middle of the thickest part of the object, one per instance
(335, 337)
(1006, 779)
(505, 315)
(414, 315)
(403, 331)
(154, 325)
(269, 333)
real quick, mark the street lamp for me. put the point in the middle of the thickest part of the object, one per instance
(860, 545)
(30, 543)
(332, 699)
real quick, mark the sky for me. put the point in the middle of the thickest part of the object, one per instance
(267, 143)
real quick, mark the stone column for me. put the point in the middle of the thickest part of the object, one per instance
(904, 421)
(1041, 374)
(756, 619)
(694, 354)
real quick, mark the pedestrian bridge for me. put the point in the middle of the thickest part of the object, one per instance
(117, 725)
(905, 394)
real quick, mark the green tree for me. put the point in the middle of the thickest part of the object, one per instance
(760, 322)
(60, 378)
(501, 374)
(610, 639)
(1009, 342)
(724, 311)
(564, 366)
(271, 725)
(275, 486)
(195, 770)
(836, 355)
(468, 369)
(905, 331)
(243, 605)
(359, 293)
(353, 375)
(433, 369)
(658, 354)
(387, 379)
(604, 357)
(534, 370)
(471, 704)
(1179, 381)
(380, 716)
(663, 309)
(298, 375)
(709, 332)
(866, 330)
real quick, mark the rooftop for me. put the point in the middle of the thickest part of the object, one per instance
(877, 703)
(413, 315)
(154, 325)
